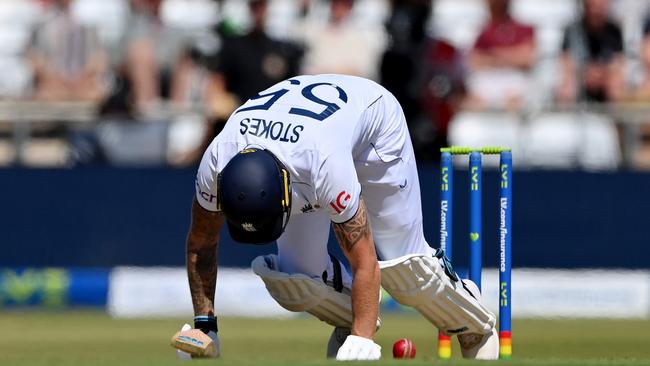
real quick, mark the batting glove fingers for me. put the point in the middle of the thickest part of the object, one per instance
(357, 348)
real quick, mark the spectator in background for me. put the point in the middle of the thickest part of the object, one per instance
(195, 88)
(252, 62)
(642, 94)
(154, 45)
(592, 63)
(190, 80)
(591, 71)
(17, 21)
(68, 57)
(151, 53)
(342, 45)
(425, 74)
(500, 60)
(642, 91)
(243, 66)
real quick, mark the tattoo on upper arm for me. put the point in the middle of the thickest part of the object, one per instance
(350, 232)
(205, 224)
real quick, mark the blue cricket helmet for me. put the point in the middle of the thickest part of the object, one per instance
(255, 196)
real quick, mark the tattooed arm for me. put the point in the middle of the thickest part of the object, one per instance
(355, 239)
(202, 257)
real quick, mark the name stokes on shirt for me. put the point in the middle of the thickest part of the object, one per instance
(274, 130)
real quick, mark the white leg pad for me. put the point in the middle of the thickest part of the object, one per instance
(420, 281)
(298, 292)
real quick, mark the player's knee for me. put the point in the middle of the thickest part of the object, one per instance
(328, 301)
(430, 285)
(411, 279)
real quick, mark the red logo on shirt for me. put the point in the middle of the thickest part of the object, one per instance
(341, 202)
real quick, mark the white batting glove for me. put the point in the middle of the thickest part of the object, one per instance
(357, 348)
(215, 338)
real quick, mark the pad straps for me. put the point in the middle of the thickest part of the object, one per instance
(449, 270)
(337, 280)
(446, 265)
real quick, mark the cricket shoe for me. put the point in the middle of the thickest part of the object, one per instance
(474, 345)
(338, 337)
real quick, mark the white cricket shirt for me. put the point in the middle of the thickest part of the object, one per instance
(324, 131)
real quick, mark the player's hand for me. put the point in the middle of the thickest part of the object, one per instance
(212, 352)
(357, 348)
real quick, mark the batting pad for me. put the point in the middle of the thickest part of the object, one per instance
(420, 281)
(298, 292)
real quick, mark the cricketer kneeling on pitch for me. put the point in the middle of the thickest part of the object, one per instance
(346, 161)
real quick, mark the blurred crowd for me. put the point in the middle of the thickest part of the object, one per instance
(563, 82)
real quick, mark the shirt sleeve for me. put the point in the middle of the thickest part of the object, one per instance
(206, 182)
(337, 187)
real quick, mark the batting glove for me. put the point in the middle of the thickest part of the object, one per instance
(357, 348)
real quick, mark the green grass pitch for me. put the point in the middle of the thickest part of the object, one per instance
(92, 338)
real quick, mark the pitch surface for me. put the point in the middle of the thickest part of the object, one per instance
(92, 338)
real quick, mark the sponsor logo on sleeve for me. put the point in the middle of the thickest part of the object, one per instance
(207, 196)
(341, 202)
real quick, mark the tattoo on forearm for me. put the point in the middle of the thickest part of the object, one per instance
(202, 274)
(350, 232)
(202, 258)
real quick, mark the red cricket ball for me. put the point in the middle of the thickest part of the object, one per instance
(404, 348)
